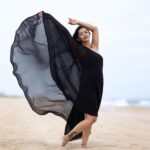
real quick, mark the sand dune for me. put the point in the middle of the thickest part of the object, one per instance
(117, 128)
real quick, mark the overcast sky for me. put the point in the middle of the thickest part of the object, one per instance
(124, 27)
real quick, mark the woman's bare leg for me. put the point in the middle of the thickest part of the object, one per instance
(85, 135)
(88, 121)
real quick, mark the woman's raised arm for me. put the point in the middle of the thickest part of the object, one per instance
(92, 28)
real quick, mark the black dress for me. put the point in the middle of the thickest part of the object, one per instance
(90, 91)
(91, 83)
(56, 74)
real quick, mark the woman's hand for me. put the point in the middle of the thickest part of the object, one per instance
(73, 21)
(40, 14)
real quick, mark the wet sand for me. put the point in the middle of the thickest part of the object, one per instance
(117, 128)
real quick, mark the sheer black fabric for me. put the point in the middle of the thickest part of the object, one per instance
(45, 61)
(44, 65)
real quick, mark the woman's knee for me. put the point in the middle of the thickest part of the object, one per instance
(91, 119)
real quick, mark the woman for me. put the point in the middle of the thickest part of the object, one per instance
(91, 87)
(60, 74)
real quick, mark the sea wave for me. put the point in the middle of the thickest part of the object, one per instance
(126, 102)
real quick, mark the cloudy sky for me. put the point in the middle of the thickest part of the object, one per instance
(124, 27)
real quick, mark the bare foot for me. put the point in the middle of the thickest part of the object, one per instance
(84, 145)
(65, 140)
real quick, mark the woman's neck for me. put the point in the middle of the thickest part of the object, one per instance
(86, 44)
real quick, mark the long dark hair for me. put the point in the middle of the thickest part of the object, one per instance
(75, 35)
(81, 49)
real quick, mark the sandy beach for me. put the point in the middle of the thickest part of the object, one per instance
(117, 128)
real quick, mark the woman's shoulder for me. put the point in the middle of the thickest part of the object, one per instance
(96, 51)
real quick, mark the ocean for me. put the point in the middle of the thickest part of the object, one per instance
(126, 102)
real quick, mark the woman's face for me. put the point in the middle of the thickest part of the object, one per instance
(83, 35)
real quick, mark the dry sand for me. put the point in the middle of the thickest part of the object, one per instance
(117, 128)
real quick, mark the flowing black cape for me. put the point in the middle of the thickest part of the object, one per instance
(44, 57)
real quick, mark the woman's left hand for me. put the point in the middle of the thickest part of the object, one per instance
(73, 21)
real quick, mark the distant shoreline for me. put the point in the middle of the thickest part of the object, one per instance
(140, 103)
(11, 96)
